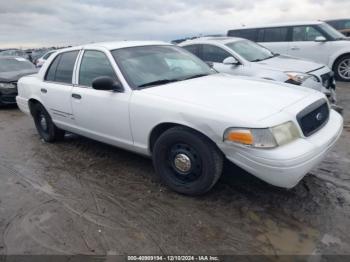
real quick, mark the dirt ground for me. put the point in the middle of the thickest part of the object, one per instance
(84, 197)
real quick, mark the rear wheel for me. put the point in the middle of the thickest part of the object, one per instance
(342, 68)
(186, 161)
(44, 124)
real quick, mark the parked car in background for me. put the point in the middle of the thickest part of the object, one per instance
(159, 100)
(239, 56)
(41, 60)
(342, 25)
(316, 41)
(12, 69)
(17, 53)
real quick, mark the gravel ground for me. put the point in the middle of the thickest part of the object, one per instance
(84, 197)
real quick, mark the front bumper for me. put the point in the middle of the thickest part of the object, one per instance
(285, 166)
(326, 84)
(8, 96)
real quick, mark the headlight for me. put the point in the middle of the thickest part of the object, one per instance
(297, 78)
(7, 85)
(263, 137)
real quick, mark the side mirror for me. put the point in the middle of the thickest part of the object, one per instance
(320, 39)
(230, 61)
(107, 83)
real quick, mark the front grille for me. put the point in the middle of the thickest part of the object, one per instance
(328, 80)
(314, 117)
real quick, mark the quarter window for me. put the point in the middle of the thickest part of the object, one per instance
(61, 69)
(215, 54)
(51, 72)
(94, 64)
(192, 48)
(305, 33)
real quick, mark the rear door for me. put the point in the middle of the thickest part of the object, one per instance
(56, 89)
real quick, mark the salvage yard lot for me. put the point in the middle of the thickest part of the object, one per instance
(84, 197)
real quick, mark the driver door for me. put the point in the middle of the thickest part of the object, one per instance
(99, 114)
(303, 44)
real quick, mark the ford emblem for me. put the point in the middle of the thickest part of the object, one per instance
(319, 116)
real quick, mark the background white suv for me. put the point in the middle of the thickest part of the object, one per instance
(316, 41)
(239, 56)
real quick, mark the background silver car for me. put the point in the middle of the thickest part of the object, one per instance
(239, 56)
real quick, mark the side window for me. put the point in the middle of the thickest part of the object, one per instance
(192, 48)
(250, 34)
(305, 33)
(346, 24)
(51, 72)
(94, 64)
(278, 34)
(215, 54)
(61, 69)
(335, 24)
(64, 71)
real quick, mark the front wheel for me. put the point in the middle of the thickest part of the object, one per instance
(45, 126)
(342, 68)
(186, 161)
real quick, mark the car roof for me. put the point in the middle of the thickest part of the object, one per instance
(217, 40)
(115, 45)
(336, 20)
(299, 23)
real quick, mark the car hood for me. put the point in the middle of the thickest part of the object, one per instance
(227, 94)
(14, 76)
(289, 63)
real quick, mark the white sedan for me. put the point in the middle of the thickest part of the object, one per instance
(159, 100)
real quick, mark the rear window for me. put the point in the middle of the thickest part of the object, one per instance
(61, 69)
(250, 34)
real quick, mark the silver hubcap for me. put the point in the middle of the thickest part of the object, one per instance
(344, 69)
(182, 163)
(43, 122)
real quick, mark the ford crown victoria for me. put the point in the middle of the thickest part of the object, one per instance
(161, 101)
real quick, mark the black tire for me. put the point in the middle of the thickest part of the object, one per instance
(178, 144)
(49, 132)
(339, 68)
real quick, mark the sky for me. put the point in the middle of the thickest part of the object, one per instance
(37, 23)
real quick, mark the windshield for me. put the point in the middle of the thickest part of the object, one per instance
(332, 32)
(155, 65)
(15, 64)
(250, 50)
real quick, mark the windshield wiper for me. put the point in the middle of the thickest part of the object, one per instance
(262, 59)
(195, 76)
(159, 82)
(341, 38)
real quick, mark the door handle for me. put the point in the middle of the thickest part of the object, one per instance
(295, 48)
(76, 96)
(43, 90)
